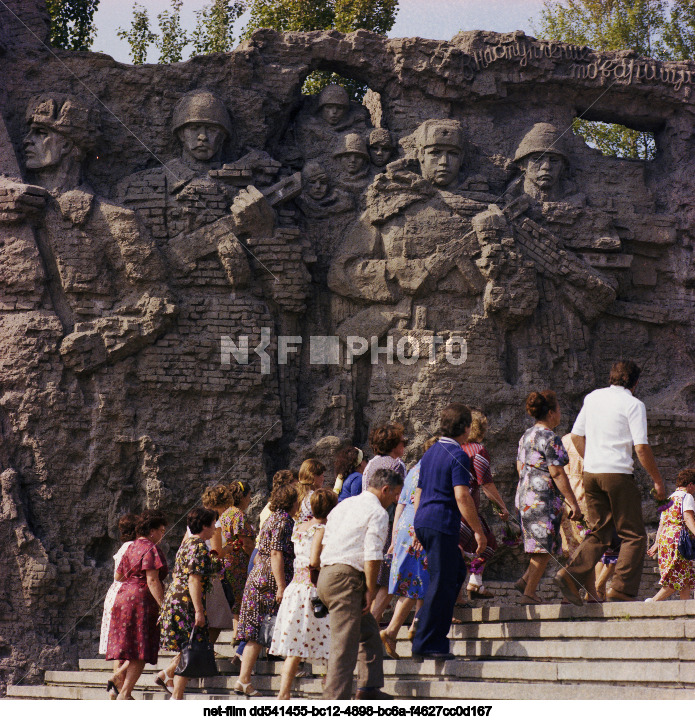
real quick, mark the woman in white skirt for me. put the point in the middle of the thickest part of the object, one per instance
(126, 530)
(299, 635)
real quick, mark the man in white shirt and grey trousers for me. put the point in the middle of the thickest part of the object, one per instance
(610, 423)
(353, 543)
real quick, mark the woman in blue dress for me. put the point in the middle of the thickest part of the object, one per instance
(408, 578)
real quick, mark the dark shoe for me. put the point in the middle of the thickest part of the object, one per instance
(372, 694)
(568, 588)
(437, 656)
(530, 601)
(613, 595)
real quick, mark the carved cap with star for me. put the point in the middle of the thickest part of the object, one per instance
(440, 132)
(68, 116)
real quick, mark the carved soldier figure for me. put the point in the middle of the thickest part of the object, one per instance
(353, 161)
(318, 199)
(381, 147)
(318, 133)
(109, 289)
(235, 276)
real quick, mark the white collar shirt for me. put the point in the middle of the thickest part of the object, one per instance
(356, 531)
(613, 421)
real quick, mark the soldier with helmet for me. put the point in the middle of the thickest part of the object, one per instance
(352, 158)
(542, 157)
(325, 120)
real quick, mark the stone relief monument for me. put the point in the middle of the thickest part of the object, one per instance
(207, 276)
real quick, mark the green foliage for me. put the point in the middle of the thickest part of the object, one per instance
(139, 37)
(214, 26)
(306, 15)
(679, 30)
(72, 23)
(172, 39)
(652, 28)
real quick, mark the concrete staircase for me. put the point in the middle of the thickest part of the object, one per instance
(610, 651)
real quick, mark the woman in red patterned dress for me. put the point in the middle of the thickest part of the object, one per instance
(133, 633)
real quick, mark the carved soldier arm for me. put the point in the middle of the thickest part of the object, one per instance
(19, 201)
(147, 307)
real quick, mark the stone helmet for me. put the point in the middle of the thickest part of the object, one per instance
(201, 106)
(440, 132)
(542, 138)
(68, 116)
(313, 170)
(351, 143)
(381, 135)
(334, 95)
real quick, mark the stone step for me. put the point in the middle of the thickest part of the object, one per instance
(508, 648)
(643, 672)
(401, 688)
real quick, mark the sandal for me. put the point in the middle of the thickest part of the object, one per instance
(529, 601)
(389, 644)
(478, 592)
(413, 629)
(245, 689)
(112, 689)
(520, 586)
(164, 682)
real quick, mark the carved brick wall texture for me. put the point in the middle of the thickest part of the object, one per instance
(206, 276)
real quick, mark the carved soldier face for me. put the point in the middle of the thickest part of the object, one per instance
(316, 187)
(380, 152)
(543, 170)
(440, 164)
(333, 113)
(44, 148)
(201, 141)
(352, 163)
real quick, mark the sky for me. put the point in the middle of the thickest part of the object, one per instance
(438, 19)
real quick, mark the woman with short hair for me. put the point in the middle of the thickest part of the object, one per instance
(133, 632)
(126, 530)
(183, 610)
(266, 584)
(542, 484)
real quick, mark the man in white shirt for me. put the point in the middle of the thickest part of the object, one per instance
(610, 423)
(353, 543)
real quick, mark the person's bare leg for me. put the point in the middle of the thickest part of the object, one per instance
(404, 606)
(248, 661)
(413, 623)
(536, 568)
(132, 675)
(381, 602)
(171, 668)
(664, 593)
(214, 634)
(179, 687)
(685, 593)
(119, 669)
(289, 671)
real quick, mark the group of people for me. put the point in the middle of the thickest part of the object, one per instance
(315, 582)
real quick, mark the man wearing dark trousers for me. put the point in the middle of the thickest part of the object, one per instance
(610, 423)
(353, 542)
(442, 498)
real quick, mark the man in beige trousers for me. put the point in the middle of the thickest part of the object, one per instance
(353, 544)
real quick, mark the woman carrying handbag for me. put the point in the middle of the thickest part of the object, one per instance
(182, 620)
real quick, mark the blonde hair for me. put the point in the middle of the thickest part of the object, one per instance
(478, 426)
(307, 472)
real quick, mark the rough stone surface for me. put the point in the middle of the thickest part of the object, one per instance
(135, 257)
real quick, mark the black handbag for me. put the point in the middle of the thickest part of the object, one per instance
(228, 592)
(197, 658)
(686, 545)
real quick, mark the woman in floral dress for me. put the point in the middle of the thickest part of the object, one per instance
(237, 534)
(184, 605)
(133, 632)
(311, 478)
(126, 529)
(408, 578)
(677, 573)
(266, 584)
(542, 485)
(298, 634)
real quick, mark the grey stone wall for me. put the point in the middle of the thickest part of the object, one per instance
(129, 252)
